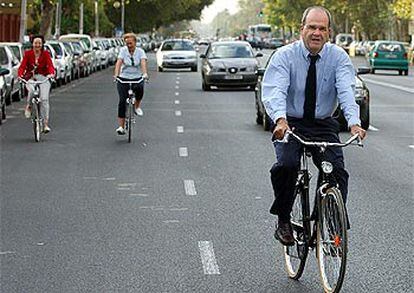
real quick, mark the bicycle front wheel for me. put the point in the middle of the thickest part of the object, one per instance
(332, 241)
(295, 256)
(130, 114)
(36, 121)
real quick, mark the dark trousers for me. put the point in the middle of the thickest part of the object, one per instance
(123, 88)
(284, 172)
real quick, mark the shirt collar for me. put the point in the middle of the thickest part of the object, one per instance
(305, 52)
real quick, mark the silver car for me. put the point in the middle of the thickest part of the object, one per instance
(231, 63)
(9, 61)
(64, 60)
(3, 90)
(176, 53)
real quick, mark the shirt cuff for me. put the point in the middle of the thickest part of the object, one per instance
(354, 121)
(277, 115)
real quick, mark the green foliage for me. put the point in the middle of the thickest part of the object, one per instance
(146, 15)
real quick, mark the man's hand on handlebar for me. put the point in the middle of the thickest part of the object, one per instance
(356, 129)
(145, 77)
(280, 129)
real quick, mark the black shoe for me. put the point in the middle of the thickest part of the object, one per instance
(284, 233)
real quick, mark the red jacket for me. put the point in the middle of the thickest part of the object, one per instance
(44, 66)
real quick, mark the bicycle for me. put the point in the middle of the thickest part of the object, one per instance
(129, 117)
(329, 232)
(35, 106)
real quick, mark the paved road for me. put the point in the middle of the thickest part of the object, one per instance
(184, 207)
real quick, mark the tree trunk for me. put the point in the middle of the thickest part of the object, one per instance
(47, 15)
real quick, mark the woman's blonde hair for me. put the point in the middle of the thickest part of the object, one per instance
(129, 35)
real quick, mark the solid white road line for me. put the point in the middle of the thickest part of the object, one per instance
(385, 84)
(177, 102)
(189, 187)
(373, 128)
(178, 113)
(208, 258)
(180, 129)
(183, 152)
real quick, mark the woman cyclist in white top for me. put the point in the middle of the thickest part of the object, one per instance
(131, 65)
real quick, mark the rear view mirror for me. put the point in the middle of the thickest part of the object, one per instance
(4, 71)
(260, 54)
(202, 55)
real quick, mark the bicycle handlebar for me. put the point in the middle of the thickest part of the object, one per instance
(117, 79)
(32, 81)
(324, 144)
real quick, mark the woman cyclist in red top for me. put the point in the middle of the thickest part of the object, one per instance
(37, 64)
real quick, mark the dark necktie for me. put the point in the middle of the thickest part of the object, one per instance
(310, 91)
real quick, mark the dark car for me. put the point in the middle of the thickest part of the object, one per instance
(230, 63)
(3, 91)
(362, 98)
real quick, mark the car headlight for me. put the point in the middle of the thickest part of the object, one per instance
(361, 92)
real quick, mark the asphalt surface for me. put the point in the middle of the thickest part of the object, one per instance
(85, 211)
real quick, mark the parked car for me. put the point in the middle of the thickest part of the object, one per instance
(56, 64)
(82, 57)
(9, 61)
(17, 49)
(176, 53)
(3, 91)
(75, 73)
(362, 98)
(230, 63)
(102, 53)
(389, 55)
(274, 43)
(64, 75)
(86, 43)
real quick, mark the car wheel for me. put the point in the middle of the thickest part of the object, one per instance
(8, 99)
(406, 72)
(194, 68)
(400, 72)
(267, 123)
(365, 120)
(205, 86)
(160, 69)
(373, 71)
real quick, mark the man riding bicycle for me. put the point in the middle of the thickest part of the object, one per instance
(130, 66)
(302, 86)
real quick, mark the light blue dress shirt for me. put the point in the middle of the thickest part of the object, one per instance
(128, 70)
(283, 85)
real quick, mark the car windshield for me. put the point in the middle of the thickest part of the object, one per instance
(177, 46)
(3, 57)
(16, 51)
(230, 51)
(58, 50)
(77, 47)
(389, 47)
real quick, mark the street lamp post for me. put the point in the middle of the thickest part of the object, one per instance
(96, 19)
(81, 19)
(123, 15)
(23, 21)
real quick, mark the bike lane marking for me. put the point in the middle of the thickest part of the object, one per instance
(208, 259)
(183, 152)
(189, 187)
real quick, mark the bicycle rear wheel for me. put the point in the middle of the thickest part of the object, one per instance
(295, 256)
(332, 241)
(36, 121)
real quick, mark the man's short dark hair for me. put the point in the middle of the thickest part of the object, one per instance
(306, 12)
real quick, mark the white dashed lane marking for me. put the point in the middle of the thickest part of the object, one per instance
(177, 93)
(178, 113)
(189, 187)
(180, 129)
(177, 102)
(183, 152)
(208, 259)
(177, 87)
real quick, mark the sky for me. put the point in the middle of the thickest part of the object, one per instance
(211, 11)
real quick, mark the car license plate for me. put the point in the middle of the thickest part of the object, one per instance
(391, 56)
(238, 77)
